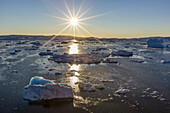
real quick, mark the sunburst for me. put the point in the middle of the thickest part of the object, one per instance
(73, 20)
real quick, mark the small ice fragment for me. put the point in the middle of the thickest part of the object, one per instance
(122, 91)
(13, 53)
(87, 87)
(58, 73)
(122, 53)
(14, 71)
(110, 60)
(99, 86)
(51, 69)
(111, 81)
(137, 61)
(45, 53)
(155, 93)
(17, 50)
(165, 61)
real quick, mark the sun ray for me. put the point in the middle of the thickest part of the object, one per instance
(57, 17)
(66, 23)
(68, 9)
(74, 20)
(79, 9)
(84, 29)
(82, 23)
(84, 13)
(73, 9)
(64, 13)
(90, 17)
(94, 37)
(55, 35)
(81, 34)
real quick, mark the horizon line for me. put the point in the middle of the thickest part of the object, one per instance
(81, 36)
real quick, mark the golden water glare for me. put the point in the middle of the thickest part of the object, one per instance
(75, 67)
(74, 79)
(74, 49)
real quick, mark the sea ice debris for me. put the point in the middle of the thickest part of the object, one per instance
(165, 61)
(122, 53)
(99, 86)
(87, 87)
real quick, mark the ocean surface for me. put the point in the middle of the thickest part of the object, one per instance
(143, 74)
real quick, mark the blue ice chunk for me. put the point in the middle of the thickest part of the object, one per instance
(39, 81)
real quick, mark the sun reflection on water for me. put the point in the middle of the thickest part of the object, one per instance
(73, 82)
(75, 67)
(75, 79)
(74, 48)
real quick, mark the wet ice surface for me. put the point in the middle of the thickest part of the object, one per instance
(143, 77)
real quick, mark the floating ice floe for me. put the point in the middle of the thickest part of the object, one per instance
(58, 73)
(156, 43)
(32, 48)
(110, 60)
(43, 89)
(100, 49)
(17, 50)
(14, 71)
(90, 58)
(122, 53)
(122, 91)
(21, 42)
(99, 86)
(137, 61)
(86, 87)
(45, 53)
(154, 93)
(36, 43)
(12, 53)
(165, 61)
(110, 81)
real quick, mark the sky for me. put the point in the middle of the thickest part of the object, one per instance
(116, 18)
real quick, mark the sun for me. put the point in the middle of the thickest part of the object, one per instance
(74, 21)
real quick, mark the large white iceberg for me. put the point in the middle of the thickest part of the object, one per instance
(43, 89)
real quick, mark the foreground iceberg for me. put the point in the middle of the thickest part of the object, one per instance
(43, 89)
(156, 43)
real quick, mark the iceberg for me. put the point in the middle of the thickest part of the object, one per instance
(156, 43)
(42, 89)
(165, 61)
